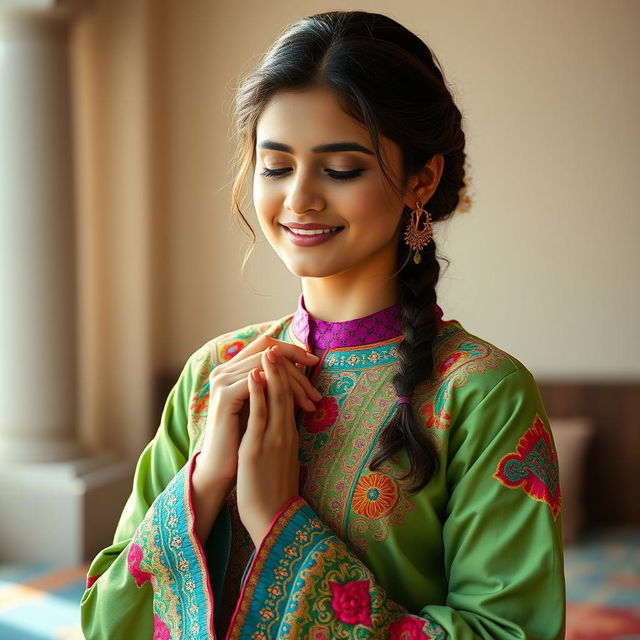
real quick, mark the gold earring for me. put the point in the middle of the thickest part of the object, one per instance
(419, 231)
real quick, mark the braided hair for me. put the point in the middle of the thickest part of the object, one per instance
(387, 78)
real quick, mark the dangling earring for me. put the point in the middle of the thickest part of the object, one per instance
(419, 231)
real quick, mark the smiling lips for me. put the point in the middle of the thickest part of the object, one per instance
(309, 235)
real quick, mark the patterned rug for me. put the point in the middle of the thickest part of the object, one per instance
(603, 593)
(603, 586)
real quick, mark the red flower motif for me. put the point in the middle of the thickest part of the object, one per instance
(324, 416)
(134, 557)
(231, 349)
(408, 628)
(160, 629)
(351, 602)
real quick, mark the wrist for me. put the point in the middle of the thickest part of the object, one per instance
(206, 479)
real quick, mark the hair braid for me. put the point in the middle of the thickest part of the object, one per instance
(417, 289)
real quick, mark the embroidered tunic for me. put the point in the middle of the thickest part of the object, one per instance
(477, 553)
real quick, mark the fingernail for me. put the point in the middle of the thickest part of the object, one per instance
(271, 354)
(313, 356)
(310, 405)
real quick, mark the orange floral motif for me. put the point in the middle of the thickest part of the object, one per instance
(374, 495)
(231, 349)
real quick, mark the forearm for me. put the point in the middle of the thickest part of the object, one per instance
(208, 495)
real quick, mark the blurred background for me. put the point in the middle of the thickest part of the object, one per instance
(119, 256)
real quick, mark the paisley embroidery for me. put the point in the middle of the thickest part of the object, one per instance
(375, 494)
(455, 361)
(533, 467)
(335, 458)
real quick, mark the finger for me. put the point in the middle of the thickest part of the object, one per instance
(290, 351)
(257, 422)
(279, 394)
(303, 390)
(296, 375)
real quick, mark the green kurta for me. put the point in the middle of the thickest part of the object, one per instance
(477, 553)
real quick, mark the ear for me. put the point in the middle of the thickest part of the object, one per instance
(423, 184)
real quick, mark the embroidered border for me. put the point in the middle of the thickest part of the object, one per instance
(173, 560)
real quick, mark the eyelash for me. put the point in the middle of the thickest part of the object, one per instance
(334, 175)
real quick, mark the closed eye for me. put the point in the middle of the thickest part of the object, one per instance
(334, 175)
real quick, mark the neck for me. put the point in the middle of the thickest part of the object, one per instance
(338, 299)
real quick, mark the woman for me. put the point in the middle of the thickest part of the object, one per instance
(414, 493)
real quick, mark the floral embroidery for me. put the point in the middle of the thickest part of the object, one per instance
(408, 628)
(324, 416)
(351, 602)
(533, 467)
(134, 558)
(319, 632)
(374, 495)
(437, 416)
(160, 629)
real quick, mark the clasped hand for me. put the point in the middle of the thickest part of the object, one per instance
(250, 435)
(268, 467)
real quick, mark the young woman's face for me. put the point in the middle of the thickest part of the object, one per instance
(301, 180)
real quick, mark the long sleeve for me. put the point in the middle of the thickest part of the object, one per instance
(502, 546)
(155, 570)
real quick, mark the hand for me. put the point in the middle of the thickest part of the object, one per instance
(268, 464)
(217, 464)
(228, 400)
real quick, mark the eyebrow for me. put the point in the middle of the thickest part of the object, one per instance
(323, 148)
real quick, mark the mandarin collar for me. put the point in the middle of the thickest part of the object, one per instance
(376, 327)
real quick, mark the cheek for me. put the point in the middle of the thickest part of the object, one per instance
(265, 202)
(370, 208)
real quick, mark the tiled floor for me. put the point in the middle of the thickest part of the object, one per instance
(40, 602)
(603, 593)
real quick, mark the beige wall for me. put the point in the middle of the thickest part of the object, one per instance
(545, 265)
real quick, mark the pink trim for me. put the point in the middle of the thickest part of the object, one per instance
(203, 565)
(285, 508)
(91, 580)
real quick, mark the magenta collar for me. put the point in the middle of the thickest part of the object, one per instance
(377, 327)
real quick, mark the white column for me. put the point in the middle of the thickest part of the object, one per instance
(38, 355)
(57, 504)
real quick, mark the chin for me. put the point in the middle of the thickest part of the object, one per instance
(311, 271)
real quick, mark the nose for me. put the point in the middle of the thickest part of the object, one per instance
(304, 195)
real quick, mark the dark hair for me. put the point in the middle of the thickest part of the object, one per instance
(385, 77)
